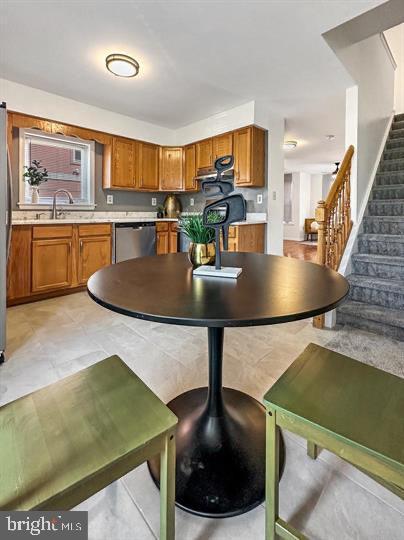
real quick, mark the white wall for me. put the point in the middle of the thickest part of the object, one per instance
(36, 102)
(369, 106)
(316, 192)
(275, 124)
(214, 125)
(395, 40)
(292, 231)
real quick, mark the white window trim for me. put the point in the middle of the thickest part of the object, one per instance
(22, 204)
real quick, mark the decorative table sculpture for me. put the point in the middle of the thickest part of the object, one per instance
(219, 215)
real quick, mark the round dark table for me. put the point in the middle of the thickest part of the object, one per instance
(221, 431)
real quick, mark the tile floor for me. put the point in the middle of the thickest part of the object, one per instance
(327, 499)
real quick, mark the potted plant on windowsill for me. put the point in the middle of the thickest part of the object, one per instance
(202, 247)
(35, 174)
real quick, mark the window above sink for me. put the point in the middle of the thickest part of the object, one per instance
(70, 164)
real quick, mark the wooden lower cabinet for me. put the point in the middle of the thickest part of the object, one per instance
(51, 264)
(47, 260)
(166, 237)
(95, 253)
(247, 238)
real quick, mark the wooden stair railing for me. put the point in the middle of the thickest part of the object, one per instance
(334, 221)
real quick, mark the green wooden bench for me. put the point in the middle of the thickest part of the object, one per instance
(353, 410)
(65, 442)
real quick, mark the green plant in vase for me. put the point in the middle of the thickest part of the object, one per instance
(34, 175)
(202, 247)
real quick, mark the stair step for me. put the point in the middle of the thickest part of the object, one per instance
(383, 225)
(378, 291)
(390, 178)
(399, 117)
(393, 153)
(381, 244)
(397, 124)
(388, 191)
(374, 318)
(386, 207)
(391, 165)
(396, 133)
(381, 266)
(395, 143)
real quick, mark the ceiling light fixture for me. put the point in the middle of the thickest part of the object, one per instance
(122, 65)
(289, 145)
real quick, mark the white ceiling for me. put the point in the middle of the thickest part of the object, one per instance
(196, 58)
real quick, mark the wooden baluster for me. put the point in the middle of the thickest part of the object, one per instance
(322, 248)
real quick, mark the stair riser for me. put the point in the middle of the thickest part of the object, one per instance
(389, 193)
(397, 153)
(377, 226)
(381, 298)
(386, 209)
(396, 134)
(392, 143)
(392, 249)
(382, 270)
(371, 326)
(391, 166)
(399, 117)
(389, 180)
(397, 124)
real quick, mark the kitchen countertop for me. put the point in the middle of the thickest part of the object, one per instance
(251, 220)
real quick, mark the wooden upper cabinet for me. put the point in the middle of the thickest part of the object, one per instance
(171, 169)
(249, 157)
(190, 183)
(222, 145)
(120, 160)
(148, 175)
(204, 154)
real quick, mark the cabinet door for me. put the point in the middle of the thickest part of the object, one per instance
(162, 242)
(173, 238)
(123, 162)
(171, 178)
(190, 183)
(19, 263)
(148, 167)
(51, 264)
(222, 145)
(242, 156)
(94, 253)
(204, 154)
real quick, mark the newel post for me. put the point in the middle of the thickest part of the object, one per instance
(321, 218)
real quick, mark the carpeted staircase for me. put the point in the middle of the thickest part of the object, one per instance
(376, 300)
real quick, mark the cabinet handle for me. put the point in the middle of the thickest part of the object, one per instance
(81, 246)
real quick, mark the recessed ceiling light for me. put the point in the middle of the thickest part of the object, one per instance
(330, 137)
(289, 145)
(122, 65)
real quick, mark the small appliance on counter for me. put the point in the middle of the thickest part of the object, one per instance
(172, 206)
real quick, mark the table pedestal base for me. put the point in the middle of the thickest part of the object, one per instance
(220, 459)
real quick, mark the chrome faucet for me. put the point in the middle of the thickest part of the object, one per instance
(71, 201)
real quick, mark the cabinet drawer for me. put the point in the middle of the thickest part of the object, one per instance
(52, 231)
(162, 226)
(95, 229)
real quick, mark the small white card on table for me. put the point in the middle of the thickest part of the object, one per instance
(225, 271)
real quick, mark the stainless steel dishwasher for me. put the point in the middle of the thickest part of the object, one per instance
(133, 240)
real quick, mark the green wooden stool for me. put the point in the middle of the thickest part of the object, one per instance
(63, 443)
(353, 410)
